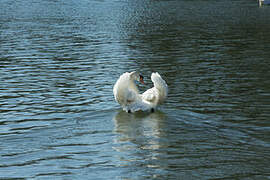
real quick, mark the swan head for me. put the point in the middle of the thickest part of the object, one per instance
(135, 76)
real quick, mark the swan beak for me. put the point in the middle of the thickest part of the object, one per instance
(141, 79)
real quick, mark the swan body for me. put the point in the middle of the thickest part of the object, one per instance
(127, 94)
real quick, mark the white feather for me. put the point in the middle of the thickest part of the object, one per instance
(158, 93)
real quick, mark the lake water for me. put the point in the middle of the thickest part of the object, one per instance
(60, 59)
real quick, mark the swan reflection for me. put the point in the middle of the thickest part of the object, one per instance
(138, 132)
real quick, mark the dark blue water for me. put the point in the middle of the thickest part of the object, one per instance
(59, 61)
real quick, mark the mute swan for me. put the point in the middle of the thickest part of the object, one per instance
(127, 94)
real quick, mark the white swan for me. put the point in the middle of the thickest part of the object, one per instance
(127, 94)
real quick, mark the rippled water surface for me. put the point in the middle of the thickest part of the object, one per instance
(60, 59)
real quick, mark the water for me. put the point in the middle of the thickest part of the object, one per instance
(60, 59)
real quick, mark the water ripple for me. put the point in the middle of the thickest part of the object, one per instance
(60, 60)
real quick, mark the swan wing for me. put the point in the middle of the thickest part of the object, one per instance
(124, 96)
(161, 86)
(127, 95)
